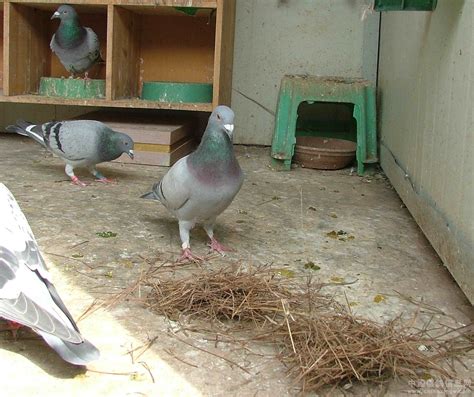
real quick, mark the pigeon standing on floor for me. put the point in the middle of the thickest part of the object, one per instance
(201, 185)
(77, 47)
(27, 295)
(80, 143)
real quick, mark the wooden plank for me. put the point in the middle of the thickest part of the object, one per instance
(148, 3)
(2, 49)
(170, 3)
(121, 103)
(155, 129)
(25, 49)
(124, 66)
(50, 7)
(161, 158)
(168, 11)
(109, 90)
(224, 52)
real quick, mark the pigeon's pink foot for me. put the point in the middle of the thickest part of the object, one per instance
(105, 180)
(216, 246)
(76, 181)
(187, 255)
(13, 327)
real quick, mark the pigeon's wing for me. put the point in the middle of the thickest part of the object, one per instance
(93, 45)
(174, 190)
(72, 140)
(27, 295)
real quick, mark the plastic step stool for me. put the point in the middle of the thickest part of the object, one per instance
(297, 89)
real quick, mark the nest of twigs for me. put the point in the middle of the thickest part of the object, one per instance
(321, 342)
(216, 296)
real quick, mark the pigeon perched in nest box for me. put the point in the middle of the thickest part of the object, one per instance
(79, 143)
(200, 186)
(27, 294)
(77, 47)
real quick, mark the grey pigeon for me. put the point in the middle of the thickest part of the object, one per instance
(27, 294)
(77, 47)
(80, 143)
(200, 186)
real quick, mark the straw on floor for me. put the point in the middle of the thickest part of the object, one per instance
(321, 342)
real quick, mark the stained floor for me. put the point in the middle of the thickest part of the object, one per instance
(283, 219)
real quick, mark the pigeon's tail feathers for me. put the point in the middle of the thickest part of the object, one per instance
(74, 353)
(150, 196)
(154, 194)
(28, 129)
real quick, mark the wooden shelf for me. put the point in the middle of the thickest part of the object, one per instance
(124, 103)
(141, 40)
(140, 3)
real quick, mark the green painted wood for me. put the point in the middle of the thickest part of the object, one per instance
(405, 5)
(72, 88)
(327, 129)
(177, 92)
(297, 89)
(187, 10)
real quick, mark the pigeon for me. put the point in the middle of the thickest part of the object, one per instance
(77, 47)
(80, 143)
(27, 294)
(201, 185)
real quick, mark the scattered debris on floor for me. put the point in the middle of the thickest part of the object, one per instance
(340, 235)
(321, 342)
(107, 234)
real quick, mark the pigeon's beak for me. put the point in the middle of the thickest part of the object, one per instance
(55, 15)
(131, 154)
(229, 128)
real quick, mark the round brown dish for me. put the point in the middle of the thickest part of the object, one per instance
(324, 153)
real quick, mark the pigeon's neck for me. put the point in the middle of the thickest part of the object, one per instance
(109, 147)
(215, 146)
(214, 160)
(70, 33)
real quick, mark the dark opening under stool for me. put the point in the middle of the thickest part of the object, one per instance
(297, 89)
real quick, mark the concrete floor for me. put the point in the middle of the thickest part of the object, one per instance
(277, 218)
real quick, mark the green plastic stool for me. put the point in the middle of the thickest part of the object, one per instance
(297, 89)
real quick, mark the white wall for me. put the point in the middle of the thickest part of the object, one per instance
(426, 81)
(278, 37)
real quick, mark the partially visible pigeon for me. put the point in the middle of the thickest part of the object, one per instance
(201, 185)
(77, 47)
(80, 143)
(27, 295)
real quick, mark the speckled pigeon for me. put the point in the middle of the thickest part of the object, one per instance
(27, 295)
(80, 143)
(77, 47)
(200, 186)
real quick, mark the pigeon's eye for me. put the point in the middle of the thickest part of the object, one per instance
(218, 116)
(126, 143)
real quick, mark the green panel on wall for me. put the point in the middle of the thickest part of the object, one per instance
(405, 5)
